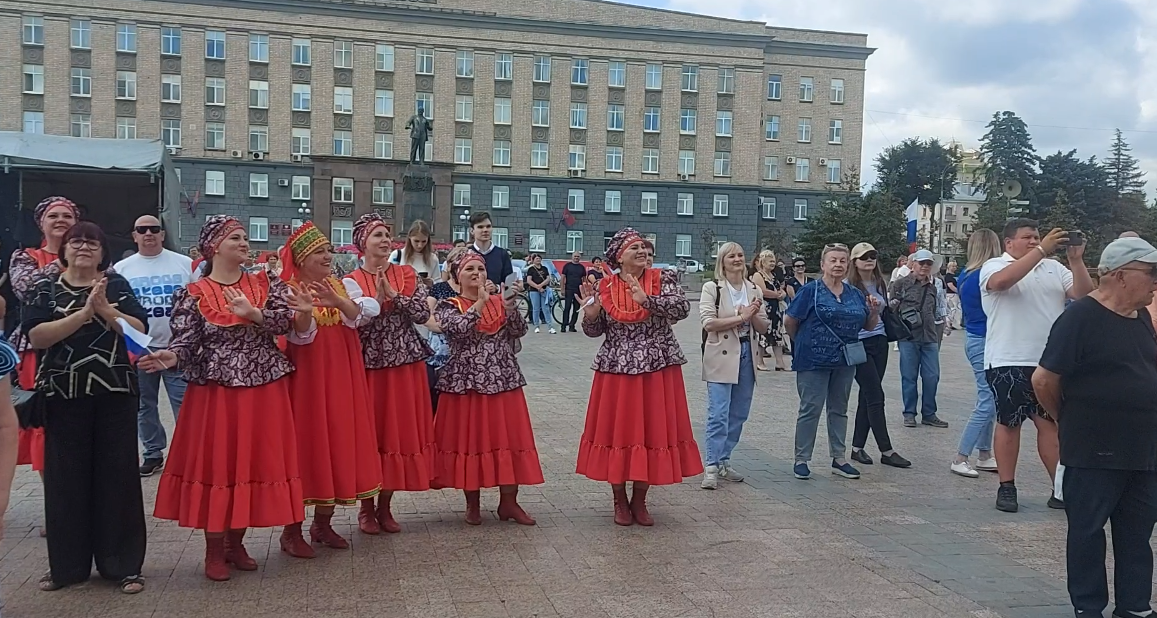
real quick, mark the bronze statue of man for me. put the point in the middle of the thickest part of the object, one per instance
(420, 127)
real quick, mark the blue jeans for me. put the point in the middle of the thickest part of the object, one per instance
(538, 309)
(728, 406)
(149, 428)
(919, 360)
(978, 432)
(831, 386)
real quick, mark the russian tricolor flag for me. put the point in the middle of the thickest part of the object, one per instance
(136, 342)
(912, 213)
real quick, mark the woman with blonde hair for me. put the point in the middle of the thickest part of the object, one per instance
(772, 291)
(983, 245)
(730, 309)
(418, 251)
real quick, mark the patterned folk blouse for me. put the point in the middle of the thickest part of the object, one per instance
(26, 268)
(478, 362)
(214, 345)
(390, 339)
(643, 346)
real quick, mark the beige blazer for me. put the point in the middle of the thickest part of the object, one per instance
(722, 351)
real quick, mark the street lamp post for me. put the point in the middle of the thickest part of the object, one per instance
(305, 211)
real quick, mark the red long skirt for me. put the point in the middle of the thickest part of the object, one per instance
(405, 426)
(638, 428)
(30, 448)
(485, 441)
(336, 449)
(233, 460)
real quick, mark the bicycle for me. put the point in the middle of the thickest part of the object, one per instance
(553, 308)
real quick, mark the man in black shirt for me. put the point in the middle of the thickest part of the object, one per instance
(1098, 378)
(573, 275)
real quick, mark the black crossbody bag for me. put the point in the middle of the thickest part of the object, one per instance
(30, 404)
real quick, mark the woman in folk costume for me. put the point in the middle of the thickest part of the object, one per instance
(638, 427)
(336, 449)
(233, 461)
(395, 357)
(54, 216)
(483, 428)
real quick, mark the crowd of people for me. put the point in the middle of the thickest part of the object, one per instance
(294, 385)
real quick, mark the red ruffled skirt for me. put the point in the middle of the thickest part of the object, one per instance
(484, 441)
(30, 449)
(638, 428)
(233, 460)
(405, 426)
(336, 450)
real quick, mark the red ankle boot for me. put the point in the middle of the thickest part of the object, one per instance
(367, 518)
(473, 508)
(235, 553)
(508, 509)
(322, 532)
(623, 515)
(385, 517)
(293, 543)
(639, 506)
(215, 567)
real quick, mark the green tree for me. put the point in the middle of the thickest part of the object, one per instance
(849, 217)
(1125, 175)
(1007, 153)
(779, 240)
(917, 169)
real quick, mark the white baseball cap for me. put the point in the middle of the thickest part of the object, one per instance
(1124, 250)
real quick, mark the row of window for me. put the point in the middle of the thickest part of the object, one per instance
(343, 55)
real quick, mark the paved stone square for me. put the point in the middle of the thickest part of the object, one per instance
(916, 543)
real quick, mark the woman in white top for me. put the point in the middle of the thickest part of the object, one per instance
(418, 252)
(731, 309)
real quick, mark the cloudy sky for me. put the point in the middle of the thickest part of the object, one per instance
(1072, 69)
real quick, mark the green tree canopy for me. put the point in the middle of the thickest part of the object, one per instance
(1007, 153)
(849, 218)
(1125, 175)
(917, 169)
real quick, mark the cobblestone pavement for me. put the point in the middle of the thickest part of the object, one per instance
(918, 543)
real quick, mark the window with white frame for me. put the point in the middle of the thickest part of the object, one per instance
(607, 238)
(300, 142)
(540, 113)
(383, 145)
(613, 201)
(542, 69)
(837, 91)
(802, 170)
(424, 61)
(771, 168)
(462, 195)
(300, 188)
(464, 108)
(464, 63)
(214, 45)
(690, 82)
(384, 103)
(722, 124)
(258, 138)
(771, 128)
(538, 198)
(716, 246)
(214, 90)
(459, 233)
(258, 48)
(343, 100)
(651, 118)
(687, 162)
(383, 57)
(617, 73)
(171, 42)
(650, 160)
(806, 89)
(774, 87)
(501, 111)
(126, 128)
(654, 77)
(81, 33)
(501, 153)
(343, 54)
(615, 117)
(649, 203)
(343, 143)
(81, 82)
(576, 200)
(614, 158)
(214, 136)
(577, 159)
(258, 229)
(343, 190)
(720, 207)
(424, 101)
(580, 71)
(539, 155)
(295, 223)
(170, 88)
(463, 151)
(574, 241)
(33, 30)
(767, 207)
(501, 237)
(683, 245)
(688, 121)
(258, 94)
(341, 232)
(127, 38)
(726, 81)
(171, 133)
(537, 241)
(835, 175)
(836, 132)
(578, 115)
(80, 125)
(805, 130)
(258, 185)
(686, 204)
(801, 209)
(383, 193)
(33, 122)
(504, 66)
(302, 98)
(214, 182)
(723, 164)
(302, 52)
(500, 197)
(33, 79)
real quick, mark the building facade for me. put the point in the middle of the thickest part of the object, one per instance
(946, 226)
(566, 119)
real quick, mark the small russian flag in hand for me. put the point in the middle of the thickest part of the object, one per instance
(136, 342)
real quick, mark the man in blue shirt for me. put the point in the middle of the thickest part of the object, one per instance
(498, 264)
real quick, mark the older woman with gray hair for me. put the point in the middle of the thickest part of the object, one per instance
(731, 310)
(824, 320)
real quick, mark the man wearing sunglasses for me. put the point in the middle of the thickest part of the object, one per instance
(915, 298)
(155, 274)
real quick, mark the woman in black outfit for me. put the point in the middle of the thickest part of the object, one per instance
(92, 488)
(764, 280)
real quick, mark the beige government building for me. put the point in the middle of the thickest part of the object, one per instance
(566, 119)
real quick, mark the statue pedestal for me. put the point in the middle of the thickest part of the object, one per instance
(417, 196)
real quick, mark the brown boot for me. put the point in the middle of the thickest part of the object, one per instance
(322, 532)
(473, 508)
(293, 543)
(623, 515)
(215, 567)
(508, 507)
(235, 553)
(639, 505)
(367, 518)
(385, 517)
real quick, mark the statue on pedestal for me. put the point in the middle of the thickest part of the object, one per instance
(420, 127)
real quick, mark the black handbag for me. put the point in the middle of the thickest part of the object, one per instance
(29, 406)
(894, 328)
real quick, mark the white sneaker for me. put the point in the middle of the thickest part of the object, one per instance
(552, 330)
(964, 469)
(727, 473)
(537, 330)
(986, 465)
(710, 478)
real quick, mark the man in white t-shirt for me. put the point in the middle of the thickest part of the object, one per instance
(155, 274)
(1023, 292)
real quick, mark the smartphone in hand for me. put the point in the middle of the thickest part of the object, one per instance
(508, 291)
